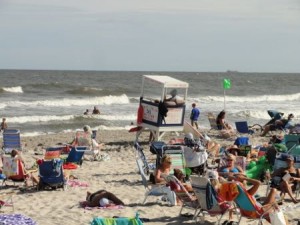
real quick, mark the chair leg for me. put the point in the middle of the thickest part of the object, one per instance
(145, 199)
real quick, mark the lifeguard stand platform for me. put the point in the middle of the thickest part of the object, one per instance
(160, 88)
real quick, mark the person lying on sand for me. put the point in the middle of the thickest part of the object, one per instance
(102, 198)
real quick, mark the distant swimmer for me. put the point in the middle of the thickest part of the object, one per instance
(96, 110)
(87, 112)
(3, 124)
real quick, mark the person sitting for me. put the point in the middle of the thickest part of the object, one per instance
(86, 139)
(230, 167)
(96, 110)
(226, 129)
(279, 124)
(290, 176)
(164, 169)
(268, 201)
(174, 98)
(24, 175)
(180, 176)
(87, 112)
(102, 198)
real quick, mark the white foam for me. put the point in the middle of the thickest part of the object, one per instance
(243, 99)
(65, 102)
(17, 89)
(46, 118)
(118, 117)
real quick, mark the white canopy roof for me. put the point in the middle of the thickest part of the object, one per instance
(166, 81)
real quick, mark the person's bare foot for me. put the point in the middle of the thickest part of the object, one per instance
(295, 201)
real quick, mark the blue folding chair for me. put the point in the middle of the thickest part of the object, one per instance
(11, 140)
(243, 128)
(51, 174)
(76, 154)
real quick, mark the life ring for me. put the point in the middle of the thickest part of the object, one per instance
(140, 115)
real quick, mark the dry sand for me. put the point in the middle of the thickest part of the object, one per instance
(118, 175)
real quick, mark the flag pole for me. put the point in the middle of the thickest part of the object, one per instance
(224, 101)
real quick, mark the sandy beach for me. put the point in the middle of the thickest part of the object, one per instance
(118, 175)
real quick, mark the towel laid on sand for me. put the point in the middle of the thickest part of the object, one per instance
(116, 221)
(16, 219)
(77, 183)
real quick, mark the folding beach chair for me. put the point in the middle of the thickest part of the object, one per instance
(155, 190)
(213, 208)
(177, 156)
(243, 128)
(11, 140)
(6, 200)
(76, 154)
(212, 121)
(52, 153)
(189, 200)
(51, 174)
(139, 153)
(13, 170)
(248, 207)
(292, 141)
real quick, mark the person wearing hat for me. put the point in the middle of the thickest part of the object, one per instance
(290, 176)
(281, 124)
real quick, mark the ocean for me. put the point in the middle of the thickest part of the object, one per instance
(42, 102)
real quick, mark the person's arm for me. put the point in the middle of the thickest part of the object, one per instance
(158, 179)
(241, 171)
(255, 183)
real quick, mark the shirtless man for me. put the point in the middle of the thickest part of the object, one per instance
(102, 198)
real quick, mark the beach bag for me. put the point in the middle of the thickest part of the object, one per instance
(277, 218)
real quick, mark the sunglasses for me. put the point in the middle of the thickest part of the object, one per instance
(230, 160)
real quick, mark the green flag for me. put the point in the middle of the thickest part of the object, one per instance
(226, 84)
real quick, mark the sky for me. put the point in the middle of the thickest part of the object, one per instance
(151, 35)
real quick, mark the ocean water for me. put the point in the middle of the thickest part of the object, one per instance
(42, 102)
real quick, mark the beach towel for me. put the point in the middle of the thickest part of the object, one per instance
(77, 183)
(69, 166)
(16, 219)
(117, 221)
(83, 204)
(228, 191)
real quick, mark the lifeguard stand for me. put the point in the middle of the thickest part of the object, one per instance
(152, 119)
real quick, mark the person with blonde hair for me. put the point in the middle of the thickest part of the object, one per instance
(230, 166)
(164, 169)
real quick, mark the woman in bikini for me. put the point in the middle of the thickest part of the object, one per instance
(230, 167)
(102, 198)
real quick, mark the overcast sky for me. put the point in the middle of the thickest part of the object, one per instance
(151, 35)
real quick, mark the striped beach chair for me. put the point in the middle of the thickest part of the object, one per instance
(11, 140)
(177, 155)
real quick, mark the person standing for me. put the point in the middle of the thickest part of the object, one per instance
(3, 124)
(195, 115)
